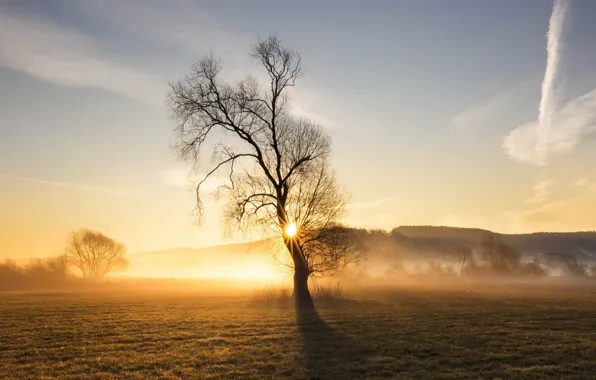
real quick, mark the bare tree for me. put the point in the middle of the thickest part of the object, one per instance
(279, 178)
(95, 254)
(501, 257)
(464, 258)
(567, 263)
(592, 270)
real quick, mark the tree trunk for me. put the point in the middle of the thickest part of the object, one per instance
(301, 293)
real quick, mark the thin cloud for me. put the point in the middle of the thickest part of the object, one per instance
(176, 177)
(548, 210)
(103, 190)
(183, 176)
(176, 23)
(42, 49)
(581, 182)
(542, 190)
(179, 22)
(495, 111)
(548, 101)
(476, 116)
(572, 122)
(585, 183)
(570, 214)
(371, 204)
(558, 129)
(65, 57)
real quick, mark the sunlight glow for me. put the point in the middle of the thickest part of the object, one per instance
(257, 270)
(291, 230)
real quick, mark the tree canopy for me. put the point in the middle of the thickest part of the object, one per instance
(277, 164)
(94, 253)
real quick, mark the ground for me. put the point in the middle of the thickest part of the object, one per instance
(399, 333)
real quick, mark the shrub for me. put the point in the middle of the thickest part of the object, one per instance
(274, 294)
(38, 273)
(566, 263)
(533, 269)
(327, 291)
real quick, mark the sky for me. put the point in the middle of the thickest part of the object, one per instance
(469, 113)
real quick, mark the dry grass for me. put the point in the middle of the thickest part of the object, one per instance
(282, 294)
(274, 293)
(403, 334)
(327, 291)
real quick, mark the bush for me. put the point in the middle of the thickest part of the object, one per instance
(436, 269)
(566, 263)
(38, 273)
(533, 269)
(326, 291)
(275, 293)
(11, 276)
(503, 259)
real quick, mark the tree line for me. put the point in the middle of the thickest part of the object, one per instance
(88, 255)
(493, 257)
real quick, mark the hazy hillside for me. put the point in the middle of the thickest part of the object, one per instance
(402, 243)
(434, 232)
(580, 244)
(250, 259)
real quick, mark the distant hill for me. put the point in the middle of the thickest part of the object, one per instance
(580, 244)
(203, 262)
(404, 242)
(438, 232)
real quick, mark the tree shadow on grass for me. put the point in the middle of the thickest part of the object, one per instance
(328, 353)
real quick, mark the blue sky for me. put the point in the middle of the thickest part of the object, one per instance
(431, 104)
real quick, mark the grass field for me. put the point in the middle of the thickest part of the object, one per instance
(401, 333)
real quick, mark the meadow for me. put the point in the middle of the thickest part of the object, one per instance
(397, 332)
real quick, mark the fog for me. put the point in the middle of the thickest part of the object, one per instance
(243, 269)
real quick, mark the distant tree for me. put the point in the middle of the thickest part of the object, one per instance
(397, 268)
(330, 249)
(566, 263)
(464, 258)
(593, 270)
(279, 176)
(534, 269)
(36, 274)
(11, 275)
(501, 257)
(95, 254)
(437, 269)
(58, 265)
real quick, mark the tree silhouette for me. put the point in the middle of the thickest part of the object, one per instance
(95, 254)
(464, 258)
(501, 257)
(279, 177)
(566, 263)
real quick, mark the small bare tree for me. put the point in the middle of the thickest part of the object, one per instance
(279, 178)
(501, 257)
(567, 263)
(464, 258)
(95, 254)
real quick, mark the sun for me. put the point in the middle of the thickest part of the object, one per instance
(291, 230)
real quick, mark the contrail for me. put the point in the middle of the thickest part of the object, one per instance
(548, 101)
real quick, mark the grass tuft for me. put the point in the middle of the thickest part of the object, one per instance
(327, 291)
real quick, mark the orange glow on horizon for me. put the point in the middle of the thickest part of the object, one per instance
(257, 270)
